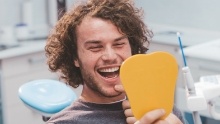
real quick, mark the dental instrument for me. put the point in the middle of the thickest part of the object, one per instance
(193, 98)
(202, 95)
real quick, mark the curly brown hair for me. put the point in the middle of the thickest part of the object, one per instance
(61, 48)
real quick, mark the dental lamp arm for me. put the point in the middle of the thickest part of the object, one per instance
(192, 98)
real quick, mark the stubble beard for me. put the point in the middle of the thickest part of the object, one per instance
(91, 83)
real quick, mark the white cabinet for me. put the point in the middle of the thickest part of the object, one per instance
(202, 67)
(16, 71)
(203, 59)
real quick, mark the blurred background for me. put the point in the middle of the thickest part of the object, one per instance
(25, 25)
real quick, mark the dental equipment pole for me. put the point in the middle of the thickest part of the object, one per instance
(189, 82)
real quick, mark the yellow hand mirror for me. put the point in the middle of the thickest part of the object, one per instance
(149, 81)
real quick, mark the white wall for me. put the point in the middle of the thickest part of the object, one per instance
(204, 14)
(36, 17)
(10, 11)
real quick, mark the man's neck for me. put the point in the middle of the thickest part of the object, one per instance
(94, 97)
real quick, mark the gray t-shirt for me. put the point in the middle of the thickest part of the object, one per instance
(91, 113)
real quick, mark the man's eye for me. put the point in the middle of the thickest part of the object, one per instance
(119, 44)
(95, 48)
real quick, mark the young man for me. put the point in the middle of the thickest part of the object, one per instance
(87, 47)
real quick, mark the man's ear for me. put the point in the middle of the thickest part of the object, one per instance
(76, 63)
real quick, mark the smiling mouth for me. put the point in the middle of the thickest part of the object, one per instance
(109, 72)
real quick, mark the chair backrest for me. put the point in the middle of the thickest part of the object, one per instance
(46, 96)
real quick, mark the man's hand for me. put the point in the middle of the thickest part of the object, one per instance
(151, 117)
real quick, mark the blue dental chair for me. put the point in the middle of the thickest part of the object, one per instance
(46, 96)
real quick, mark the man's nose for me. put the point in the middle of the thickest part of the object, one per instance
(109, 54)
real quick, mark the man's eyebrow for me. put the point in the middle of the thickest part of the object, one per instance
(120, 38)
(92, 42)
(98, 41)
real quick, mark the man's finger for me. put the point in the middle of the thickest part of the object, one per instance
(172, 119)
(131, 120)
(152, 116)
(126, 104)
(128, 113)
(119, 88)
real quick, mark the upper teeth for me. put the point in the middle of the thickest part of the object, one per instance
(109, 69)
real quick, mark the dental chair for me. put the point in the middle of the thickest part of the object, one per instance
(46, 96)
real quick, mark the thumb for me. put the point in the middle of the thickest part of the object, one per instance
(137, 122)
(172, 119)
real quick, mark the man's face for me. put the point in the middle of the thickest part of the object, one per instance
(101, 51)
